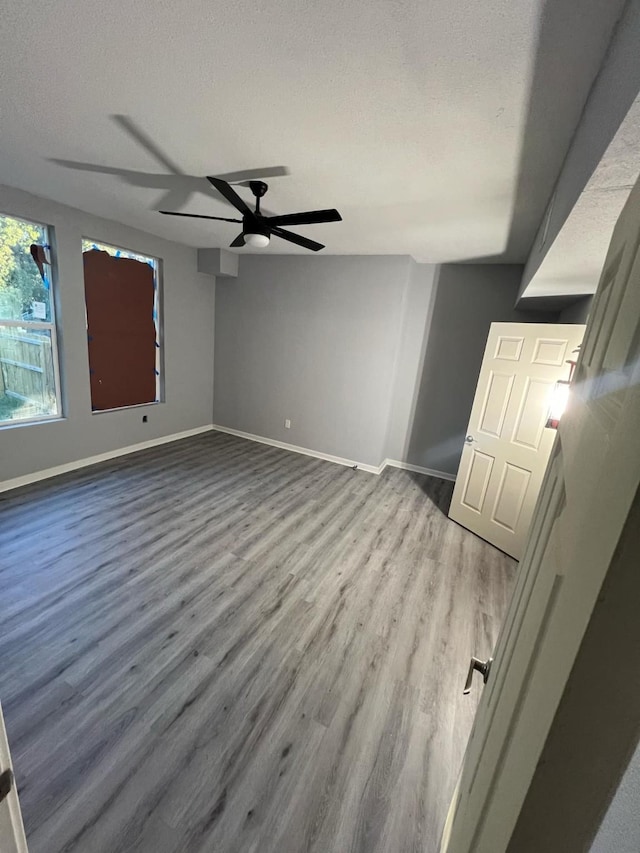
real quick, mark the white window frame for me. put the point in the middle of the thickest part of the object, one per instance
(40, 324)
(158, 317)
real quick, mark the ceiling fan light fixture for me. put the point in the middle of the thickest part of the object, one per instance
(258, 241)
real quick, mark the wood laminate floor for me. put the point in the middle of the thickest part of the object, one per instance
(220, 646)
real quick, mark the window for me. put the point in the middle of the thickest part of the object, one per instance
(29, 371)
(123, 326)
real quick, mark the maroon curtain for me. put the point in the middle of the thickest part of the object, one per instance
(122, 336)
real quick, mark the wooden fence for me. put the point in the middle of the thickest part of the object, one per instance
(26, 365)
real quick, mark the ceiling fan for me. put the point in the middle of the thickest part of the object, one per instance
(256, 228)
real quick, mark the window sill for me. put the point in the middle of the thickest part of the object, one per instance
(53, 419)
(126, 408)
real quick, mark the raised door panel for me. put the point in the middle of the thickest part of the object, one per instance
(496, 403)
(508, 348)
(510, 497)
(550, 351)
(532, 413)
(477, 481)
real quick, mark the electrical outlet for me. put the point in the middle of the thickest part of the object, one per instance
(287, 423)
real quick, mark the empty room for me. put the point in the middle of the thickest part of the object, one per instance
(319, 394)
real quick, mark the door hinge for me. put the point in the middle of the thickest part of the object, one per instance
(6, 784)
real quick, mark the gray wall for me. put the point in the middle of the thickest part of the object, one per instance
(313, 339)
(417, 307)
(464, 300)
(577, 312)
(188, 318)
(370, 357)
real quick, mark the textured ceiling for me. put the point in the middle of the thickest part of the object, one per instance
(436, 128)
(573, 264)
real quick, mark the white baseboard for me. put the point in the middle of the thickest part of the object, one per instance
(339, 460)
(5, 485)
(305, 451)
(418, 469)
(46, 473)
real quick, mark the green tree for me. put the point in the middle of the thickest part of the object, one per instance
(20, 280)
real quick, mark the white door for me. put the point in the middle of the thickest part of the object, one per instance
(588, 490)
(12, 838)
(507, 445)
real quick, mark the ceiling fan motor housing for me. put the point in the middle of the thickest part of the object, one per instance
(252, 225)
(258, 188)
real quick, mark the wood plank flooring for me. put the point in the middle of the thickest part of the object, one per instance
(217, 645)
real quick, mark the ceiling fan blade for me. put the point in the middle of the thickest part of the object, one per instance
(297, 239)
(230, 194)
(198, 216)
(311, 217)
(239, 241)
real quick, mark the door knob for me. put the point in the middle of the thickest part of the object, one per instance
(477, 665)
(469, 439)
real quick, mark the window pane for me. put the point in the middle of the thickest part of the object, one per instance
(115, 252)
(27, 376)
(25, 274)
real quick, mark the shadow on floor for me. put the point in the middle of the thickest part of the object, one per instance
(438, 491)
